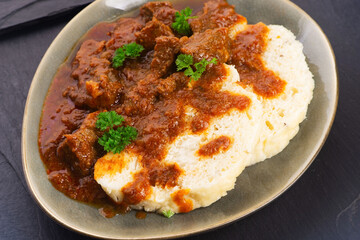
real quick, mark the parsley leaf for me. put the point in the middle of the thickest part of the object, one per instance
(181, 24)
(200, 68)
(131, 50)
(108, 119)
(189, 72)
(119, 58)
(185, 61)
(168, 213)
(114, 140)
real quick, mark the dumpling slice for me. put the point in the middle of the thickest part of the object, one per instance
(283, 112)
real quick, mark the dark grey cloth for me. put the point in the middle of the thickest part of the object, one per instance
(15, 13)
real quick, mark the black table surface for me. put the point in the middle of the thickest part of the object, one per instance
(323, 204)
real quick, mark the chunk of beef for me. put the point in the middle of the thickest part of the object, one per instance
(163, 11)
(72, 117)
(97, 84)
(88, 50)
(215, 14)
(80, 148)
(124, 33)
(174, 82)
(207, 45)
(141, 98)
(136, 69)
(165, 50)
(166, 86)
(153, 29)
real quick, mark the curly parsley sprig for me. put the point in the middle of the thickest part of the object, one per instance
(184, 61)
(115, 140)
(131, 50)
(108, 119)
(181, 24)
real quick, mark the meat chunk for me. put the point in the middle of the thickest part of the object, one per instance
(163, 11)
(174, 82)
(207, 45)
(80, 149)
(124, 33)
(165, 50)
(153, 29)
(141, 98)
(215, 14)
(97, 83)
(166, 86)
(88, 50)
(136, 69)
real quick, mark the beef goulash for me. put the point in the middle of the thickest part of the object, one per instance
(162, 111)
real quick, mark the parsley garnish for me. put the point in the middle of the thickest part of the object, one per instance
(181, 24)
(108, 119)
(185, 61)
(168, 213)
(115, 140)
(119, 58)
(131, 50)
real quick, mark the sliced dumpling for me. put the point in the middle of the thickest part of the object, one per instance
(282, 114)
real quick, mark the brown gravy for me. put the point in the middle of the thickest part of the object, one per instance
(151, 100)
(215, 146)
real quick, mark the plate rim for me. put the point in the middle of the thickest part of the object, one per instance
(211, 227)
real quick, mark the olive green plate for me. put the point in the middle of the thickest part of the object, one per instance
(256, 186)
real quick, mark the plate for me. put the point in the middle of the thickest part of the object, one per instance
(257, 185)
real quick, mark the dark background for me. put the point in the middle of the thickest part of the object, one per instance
(323, 204)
